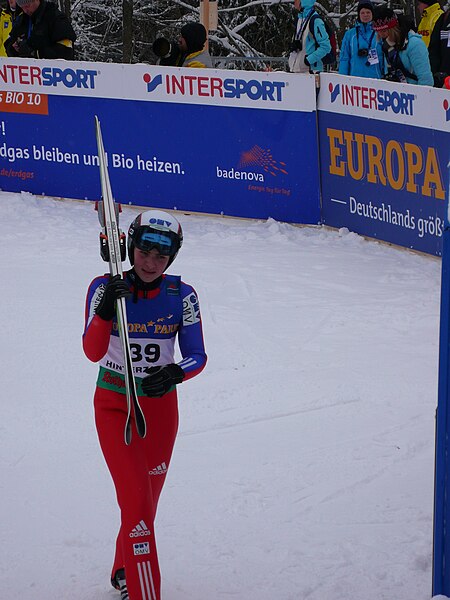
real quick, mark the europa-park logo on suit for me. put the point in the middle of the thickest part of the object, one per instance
(255, 165)
(372, 98)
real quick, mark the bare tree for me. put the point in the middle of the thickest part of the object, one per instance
(124, 30)
(127, 31)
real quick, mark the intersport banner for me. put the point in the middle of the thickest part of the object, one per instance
(200, 140)
(384, 150)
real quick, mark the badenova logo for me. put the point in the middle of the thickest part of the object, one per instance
(255, 158)
(216, 87)
(370, 98)
(48, 76)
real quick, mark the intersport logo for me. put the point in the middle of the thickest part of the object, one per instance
(203, 86)
(371, 98)
(446, 106)
(48, 76)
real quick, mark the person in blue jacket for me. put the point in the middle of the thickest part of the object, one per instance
(312, 42)
(405, 56)
(361, 53)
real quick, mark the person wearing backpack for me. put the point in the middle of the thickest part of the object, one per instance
(439, 49)
(311, 49)
(405, 56)
(361, 53)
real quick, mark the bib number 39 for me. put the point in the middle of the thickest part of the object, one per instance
(150, 353)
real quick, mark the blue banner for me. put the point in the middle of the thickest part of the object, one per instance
(383, 154)
(195, 154)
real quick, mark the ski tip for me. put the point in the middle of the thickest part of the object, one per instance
(142, 431)
(127, 434)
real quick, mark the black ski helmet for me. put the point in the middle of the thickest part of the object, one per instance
(155, 229)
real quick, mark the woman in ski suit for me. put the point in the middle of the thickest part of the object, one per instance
(159, 308)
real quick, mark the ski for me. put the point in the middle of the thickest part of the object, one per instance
(112, 239)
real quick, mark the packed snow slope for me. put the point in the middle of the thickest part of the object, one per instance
(304, 464)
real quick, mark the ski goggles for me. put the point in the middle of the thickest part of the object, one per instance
(148, 238)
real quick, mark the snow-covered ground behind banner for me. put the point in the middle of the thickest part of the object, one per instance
(303, 469)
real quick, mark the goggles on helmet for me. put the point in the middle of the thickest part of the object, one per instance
(148, 238)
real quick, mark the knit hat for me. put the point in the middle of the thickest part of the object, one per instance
(195, 36)
(384, 18)
(365, 4)
(24, 2)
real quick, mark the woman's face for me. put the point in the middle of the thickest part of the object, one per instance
(365, 15)
(149, 265)
(383, 34)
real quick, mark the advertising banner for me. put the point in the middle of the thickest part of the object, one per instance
(384, 150)
(199, 140)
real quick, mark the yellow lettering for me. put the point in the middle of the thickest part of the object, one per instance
(396, 164)
(335, 137)
(414, 159)
(158, 328)
(433, 177)
(393, 148)
(374, 158)
(358, 171)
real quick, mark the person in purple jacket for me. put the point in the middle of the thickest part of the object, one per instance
(160, 309)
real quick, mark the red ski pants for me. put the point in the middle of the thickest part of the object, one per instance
(138, 471)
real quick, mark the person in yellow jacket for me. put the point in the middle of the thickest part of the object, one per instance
(7, 18)
(430, 12)
(191, 45)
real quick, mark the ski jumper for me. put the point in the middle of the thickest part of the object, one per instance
(155, 318)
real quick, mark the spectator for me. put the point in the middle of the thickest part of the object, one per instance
(405, 56)
(7, 18)
(361, 53)
(439, 49)
(430, 12)
(188, 51)
(41, 31)
(192, 42)
(311, 43)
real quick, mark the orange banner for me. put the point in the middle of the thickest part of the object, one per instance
(24, 102)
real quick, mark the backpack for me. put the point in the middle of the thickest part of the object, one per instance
(330, 58)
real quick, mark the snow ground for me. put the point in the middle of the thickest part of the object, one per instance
(304, 465)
